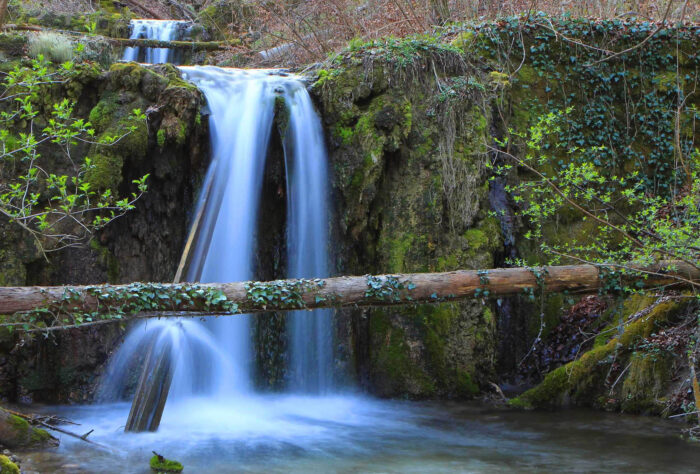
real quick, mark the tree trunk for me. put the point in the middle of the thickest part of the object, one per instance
(3, 11)
(356, 290)
(440, 10)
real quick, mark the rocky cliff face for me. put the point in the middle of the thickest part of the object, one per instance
(408, 158)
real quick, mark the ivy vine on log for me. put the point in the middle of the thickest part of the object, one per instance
(34, 309)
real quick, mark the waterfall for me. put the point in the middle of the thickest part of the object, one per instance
(241, 105)
(213, 358)
(307, 241)
(161, 30)
(225, 244)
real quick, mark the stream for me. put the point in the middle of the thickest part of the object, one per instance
(348, 434)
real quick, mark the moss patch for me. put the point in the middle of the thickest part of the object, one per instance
(579, 381)
(160, 464)
(7, 466)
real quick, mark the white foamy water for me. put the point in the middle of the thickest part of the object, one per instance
(161, 30)
(213, 357)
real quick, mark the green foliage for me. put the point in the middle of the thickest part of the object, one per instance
(388, 288)
(59, 210)
(627, 222)
(283, 294)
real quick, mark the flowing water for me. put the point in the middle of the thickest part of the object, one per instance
(161, 30)
(213, 357)
(286, 434)
(310, 369)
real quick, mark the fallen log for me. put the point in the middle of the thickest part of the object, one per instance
(131, 42)
(280, 295)
(149, 43)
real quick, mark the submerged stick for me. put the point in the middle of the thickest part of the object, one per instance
(153, 388)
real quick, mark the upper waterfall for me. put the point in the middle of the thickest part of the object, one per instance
(161, 30)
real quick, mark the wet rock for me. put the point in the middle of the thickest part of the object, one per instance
(16, 432)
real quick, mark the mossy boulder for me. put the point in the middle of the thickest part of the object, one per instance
(411, 196)
(7, 466)
(585, 380)
(16, 432)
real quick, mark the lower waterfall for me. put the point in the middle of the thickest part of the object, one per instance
(212, 358)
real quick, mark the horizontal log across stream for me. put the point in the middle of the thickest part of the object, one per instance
(132, 42)
(251, 297)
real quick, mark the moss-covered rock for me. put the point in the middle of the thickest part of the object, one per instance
(16, 432)
(586, 381)
(411, 196)
(161, 465)
(7, 466)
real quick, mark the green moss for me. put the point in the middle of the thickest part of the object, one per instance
(39, 436)
(397, 250)
(127, 75)
(643, 388)
(102, 114)
(19, 424)
(466, 387)
(160, 464)
(106, 172)
(160, 137)
(181, 133)
(464, 41)
(7, 466)
(282, 115)
(395, 371)
(527, 75)
(581, 378)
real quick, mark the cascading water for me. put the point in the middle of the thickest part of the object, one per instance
(161, 30)
(307, 241)
(214, 356)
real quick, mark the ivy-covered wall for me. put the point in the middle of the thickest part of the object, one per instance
(408, 124)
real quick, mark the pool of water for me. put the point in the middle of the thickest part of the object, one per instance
(353, 434)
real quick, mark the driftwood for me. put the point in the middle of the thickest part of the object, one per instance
(152, 390)
(374, 291)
